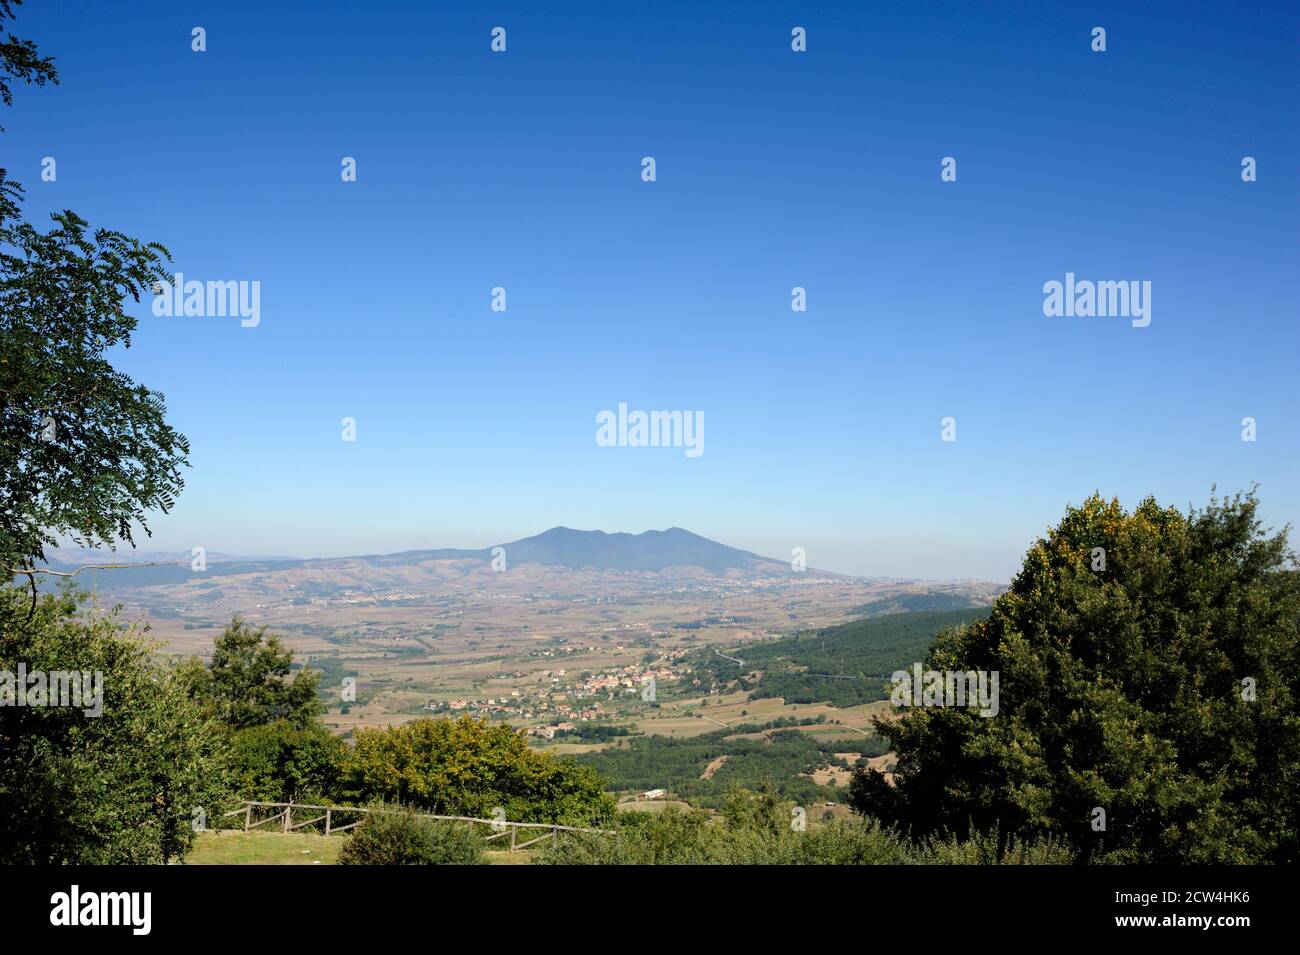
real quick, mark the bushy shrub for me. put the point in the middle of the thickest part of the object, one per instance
(470, 767)
(696, 838)
(281, 762)
(983, 849)
(395, 836)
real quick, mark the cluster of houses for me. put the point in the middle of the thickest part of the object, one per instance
(493, 705)
(550, 653)
(627, 680)
(562, 704)
(548, 732)
(506, 706)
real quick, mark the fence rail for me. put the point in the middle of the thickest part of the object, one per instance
(501, 827)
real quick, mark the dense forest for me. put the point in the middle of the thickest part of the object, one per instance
(756, 755)
(845, 665)
(909, 603)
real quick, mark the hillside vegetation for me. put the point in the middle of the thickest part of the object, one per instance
(778, 758)
(845, 665)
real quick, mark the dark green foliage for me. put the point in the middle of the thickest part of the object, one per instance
(1122, 690)
(775, 758)
(694, 838)
(278, 751)
(396, 836)
(84, 451)
(593, 733)
(246, 683)
(469, 767)
(845, 665)
(909, 603)
(281, 762)
(126, 786)
(19, 59)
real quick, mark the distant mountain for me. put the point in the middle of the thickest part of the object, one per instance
(597, 550)
(650, 551)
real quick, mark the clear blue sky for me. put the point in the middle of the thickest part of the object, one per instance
(775, 169)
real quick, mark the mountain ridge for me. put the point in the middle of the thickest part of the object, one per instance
(559, 546)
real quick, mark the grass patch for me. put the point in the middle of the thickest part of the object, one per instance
(264, 848)
(293, 848)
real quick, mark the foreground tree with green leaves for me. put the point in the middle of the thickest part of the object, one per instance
(281, 762)
(131, 784)
(278, 749)
(1150, 696)
(247, 680)
(85, 451)
(471, 767)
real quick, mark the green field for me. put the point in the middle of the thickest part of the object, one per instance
(264, 848)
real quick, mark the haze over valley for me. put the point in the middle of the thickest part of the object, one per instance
(565, 631)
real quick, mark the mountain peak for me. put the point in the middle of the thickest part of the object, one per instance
(651, 550)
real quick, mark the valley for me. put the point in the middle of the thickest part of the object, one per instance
(598, 650)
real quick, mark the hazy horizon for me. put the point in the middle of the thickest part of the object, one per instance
(150, 551)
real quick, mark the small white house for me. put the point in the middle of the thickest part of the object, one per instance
(654, 794)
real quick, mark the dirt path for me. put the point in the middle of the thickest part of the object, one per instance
(713, 767)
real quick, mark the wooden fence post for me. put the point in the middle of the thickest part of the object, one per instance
(287, 811)
(327, 822)
(248, 816)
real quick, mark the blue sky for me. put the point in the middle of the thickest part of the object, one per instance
(774, 170)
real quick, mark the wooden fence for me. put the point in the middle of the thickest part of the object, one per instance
(500, 827)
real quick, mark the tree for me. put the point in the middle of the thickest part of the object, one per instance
(130, 783)
(762, 810)
(246, 682)
(1149, 671)
(472, 767)
(84, 450)
(282, 762)
(19, 59)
